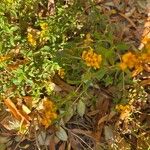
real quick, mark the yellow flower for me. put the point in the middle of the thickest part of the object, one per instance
(31, 39)
(138, 68)
(145, 57)
(92, 59)
(124, 110)
(43, 36)
(44, 26)
(146, 40)
(48, 113)
(129, 59)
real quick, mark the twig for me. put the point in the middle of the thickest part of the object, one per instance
(78, 138)
(128, 19)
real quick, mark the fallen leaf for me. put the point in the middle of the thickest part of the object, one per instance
(108, 133)
(145, 82)
(68, 115)
(26, 109)
(107, 117)
(15, 112)
(61, 134)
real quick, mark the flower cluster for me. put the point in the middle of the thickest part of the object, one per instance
(35, 36)
(44, 27)
(48, 113)
(31, 36)
(92, 59)
(124, 110)
(146, 42)
(135, 62)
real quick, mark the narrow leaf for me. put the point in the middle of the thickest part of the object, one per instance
(61, 134)
(81, 108)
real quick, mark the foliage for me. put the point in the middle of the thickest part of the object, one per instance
(78, 47)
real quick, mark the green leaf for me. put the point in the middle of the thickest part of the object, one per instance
(61, 134)
(69, 114)
(86, 77)
(122, 47)
(108, 80)
(81, 108)
(101, 73)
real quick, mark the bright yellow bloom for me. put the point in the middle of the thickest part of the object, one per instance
(146, 40)
(43, 36)
(48, 113)
(31, 39)
(145, 57)
(129, 59)
(44, 26)
(135, 62)
(92, 59)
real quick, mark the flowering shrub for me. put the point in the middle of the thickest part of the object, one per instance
(50, 64)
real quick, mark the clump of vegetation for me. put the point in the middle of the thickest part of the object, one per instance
(52, 64)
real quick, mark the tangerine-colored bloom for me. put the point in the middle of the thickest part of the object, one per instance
(92, 59)
(135, 62)
(146, 40)
(145, 57)
(129, 59)
(48, 113)
(31, 39)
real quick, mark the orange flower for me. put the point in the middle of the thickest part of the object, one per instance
(129, 59)
(135, 62)
(92, 59)
(48, 113)
(146, 40)
(4, 58)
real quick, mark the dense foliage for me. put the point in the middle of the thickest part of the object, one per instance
(74, 46)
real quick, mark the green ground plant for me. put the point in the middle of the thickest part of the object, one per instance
(36, 46)
(75, 44)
